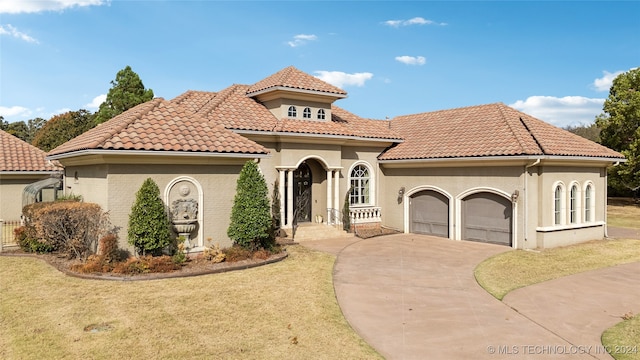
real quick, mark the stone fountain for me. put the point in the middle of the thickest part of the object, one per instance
(184, 218)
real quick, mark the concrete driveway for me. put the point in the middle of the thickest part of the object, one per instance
(415, 297)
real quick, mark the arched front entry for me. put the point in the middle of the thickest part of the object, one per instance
(487, 217)
(429, 213)
(302, 193)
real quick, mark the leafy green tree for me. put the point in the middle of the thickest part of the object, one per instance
(149, 229)
(251, 223)
(3, 123)
(62, 128)
(589, 132)
(620, 124)
(127, 91)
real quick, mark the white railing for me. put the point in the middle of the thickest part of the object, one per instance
(365, 215)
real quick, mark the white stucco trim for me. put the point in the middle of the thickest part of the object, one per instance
(480, 159)
(167, 190)
(570, 226)
(563, 203)
(372, 183)
(592, 199)
(475, 190)
(406, 206)
(154, 153)
(578, 203)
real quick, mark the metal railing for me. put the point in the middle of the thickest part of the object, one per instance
(7, 238)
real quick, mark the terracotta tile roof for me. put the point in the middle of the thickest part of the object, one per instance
(19, 156)
(293, 78)
(232, 109)
(485, 130)
(160, 125)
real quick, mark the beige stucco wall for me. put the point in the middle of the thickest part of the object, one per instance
(550, 234)
(114, 187)
(11, 187)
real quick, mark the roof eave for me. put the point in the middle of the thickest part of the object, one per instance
(318, 136)
(552, 158)
(154, 153)
(291, 89)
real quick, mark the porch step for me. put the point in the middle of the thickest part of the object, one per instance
(313, 231)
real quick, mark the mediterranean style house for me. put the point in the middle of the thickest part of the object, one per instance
(482, 173)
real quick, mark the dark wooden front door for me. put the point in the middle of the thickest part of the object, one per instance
(302, 193)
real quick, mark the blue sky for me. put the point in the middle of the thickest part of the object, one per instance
(553, 60)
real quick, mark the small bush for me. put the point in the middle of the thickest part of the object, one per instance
(146, 264)
(27, 244)
(237, 253)
(214, 254)
(261, 254)
(149, 228)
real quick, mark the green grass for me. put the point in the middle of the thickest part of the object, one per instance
(286, 310)
(511, 270)
(623, 339)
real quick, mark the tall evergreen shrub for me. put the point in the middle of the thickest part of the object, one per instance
(149, 228)
(250, 225)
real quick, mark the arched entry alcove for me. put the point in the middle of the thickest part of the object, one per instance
(187, 190)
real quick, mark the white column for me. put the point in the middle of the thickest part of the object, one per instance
(290, 198)
(329, 195)
(336, 188)
(281, 191)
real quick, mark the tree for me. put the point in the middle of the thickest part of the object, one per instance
(62, 128)
(24, 131)
(126, 92)
(590, 132)
(149, 229)
(250, 225)
(620, 124)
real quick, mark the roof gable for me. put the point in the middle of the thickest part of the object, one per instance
(485, 130)
(19, 156)
(294, 79)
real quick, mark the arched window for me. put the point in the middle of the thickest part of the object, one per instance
(588, 194)
(306, 113)
(573, 205)
(321, 114)
(360, 182)
(557, 205)
(292, 112)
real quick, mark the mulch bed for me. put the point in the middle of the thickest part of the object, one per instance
(193, 267)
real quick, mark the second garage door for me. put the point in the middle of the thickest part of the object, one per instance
(487, 217)
(429, 213)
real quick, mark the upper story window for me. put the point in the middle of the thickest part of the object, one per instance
(573, 204)
(360, 185)
(292, 112)
(306, 113)
(321, 114)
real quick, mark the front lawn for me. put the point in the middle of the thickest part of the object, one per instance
(623, 213)
(285, 310)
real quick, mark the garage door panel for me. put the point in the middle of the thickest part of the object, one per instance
(487, 218)
(429, 214)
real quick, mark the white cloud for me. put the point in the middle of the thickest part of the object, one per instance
(604, 83)
(12, 31)
(413, 21)
(36, 6)
(95, 103)
(411, 60)
(561, 112)
(14, 111)
(301, 39)
(339, 78)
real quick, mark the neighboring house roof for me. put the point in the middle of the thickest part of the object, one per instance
(295, 79)
(19, 156)
(485, 130)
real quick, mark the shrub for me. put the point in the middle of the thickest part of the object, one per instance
(251, 224)
(146, 264)
(72, 228)
(28, 244)
(214, 254)
(237, 253)
(346, 212)
(149, 230)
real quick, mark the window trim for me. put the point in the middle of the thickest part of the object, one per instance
(589, 202)
(371, 184)
(558, 201)
(292, 112)
(321, 115)
(575, 203)
(306, 113)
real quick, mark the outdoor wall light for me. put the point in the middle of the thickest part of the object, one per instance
(514, 196)
(400, 195)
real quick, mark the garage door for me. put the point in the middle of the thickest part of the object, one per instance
(429, 213)
(487, 217)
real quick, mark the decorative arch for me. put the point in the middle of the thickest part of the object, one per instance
(574, 202)
(476, 190)
(196, 184)
(318, 158)
(558, 204)
(408, 194)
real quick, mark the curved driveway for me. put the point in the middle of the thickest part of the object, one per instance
(415, 297)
